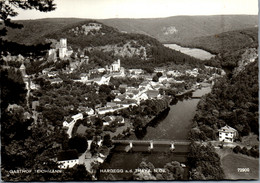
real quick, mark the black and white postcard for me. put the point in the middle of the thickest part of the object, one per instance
(129, 90)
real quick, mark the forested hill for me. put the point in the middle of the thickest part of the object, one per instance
(174, 29)
(227, 41)
(228, 46)
(233, 102)
(177, 29)
(33, 29)
(135, 50)
(234, 98)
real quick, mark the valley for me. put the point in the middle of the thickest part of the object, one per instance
(74, 87)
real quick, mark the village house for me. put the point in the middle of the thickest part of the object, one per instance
(107, 120)
(68, 159)
(100, 70)
(156, 70)
(162, 78)
(83, 77)
(115, 92)
(142, 97)
(52, 74)
(120, 74)
(174, 73)
(136, 71)
(103, 80)
(104, 110)
(52, 55)
(55, 80)
(227, 134)
(89, 111)
(77, 116)
(193, 72)
(46, 71)
(123, 86)
(148, 77)
(93, 71)
(111, 104)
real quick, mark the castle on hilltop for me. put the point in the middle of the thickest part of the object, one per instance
(61, 49)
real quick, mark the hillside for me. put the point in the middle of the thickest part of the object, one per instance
(33, 29)
(226, 41)
(233, 102)
(105, 43)
(229, 47)
(177, 29)
(234, 98)
(174, 29)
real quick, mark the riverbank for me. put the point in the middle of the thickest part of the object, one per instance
(172, 124)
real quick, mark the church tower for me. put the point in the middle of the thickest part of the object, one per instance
(22, 69)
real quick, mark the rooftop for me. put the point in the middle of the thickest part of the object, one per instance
(68, 155)
(227, 129)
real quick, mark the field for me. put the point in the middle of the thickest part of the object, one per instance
(231, 162)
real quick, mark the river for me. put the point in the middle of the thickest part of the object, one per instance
(175, 125)
(194, 52)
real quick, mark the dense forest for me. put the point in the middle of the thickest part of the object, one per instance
(233, 102)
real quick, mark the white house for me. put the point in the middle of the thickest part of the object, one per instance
(77, 116)
(66, 124)
(136, 71)
(162, 70)
(83, 77)
(67, 159)
(227, 134)
(90, 111)
(163, 78)
(103, 80)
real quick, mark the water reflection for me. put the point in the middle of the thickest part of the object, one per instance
(175, 122)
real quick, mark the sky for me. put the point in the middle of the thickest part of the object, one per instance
(103, 9)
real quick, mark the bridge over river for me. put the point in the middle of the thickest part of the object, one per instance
(176, 146)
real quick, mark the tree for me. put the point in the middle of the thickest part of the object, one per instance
(107, 140)
(175, 170)
(104, 89)
(12, 88)
(7, 11)
(237, 149)
(155, 78)
(79, 143)
(159, 74)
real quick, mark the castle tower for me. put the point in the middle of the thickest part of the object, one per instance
(63, 48)
(63, 43)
